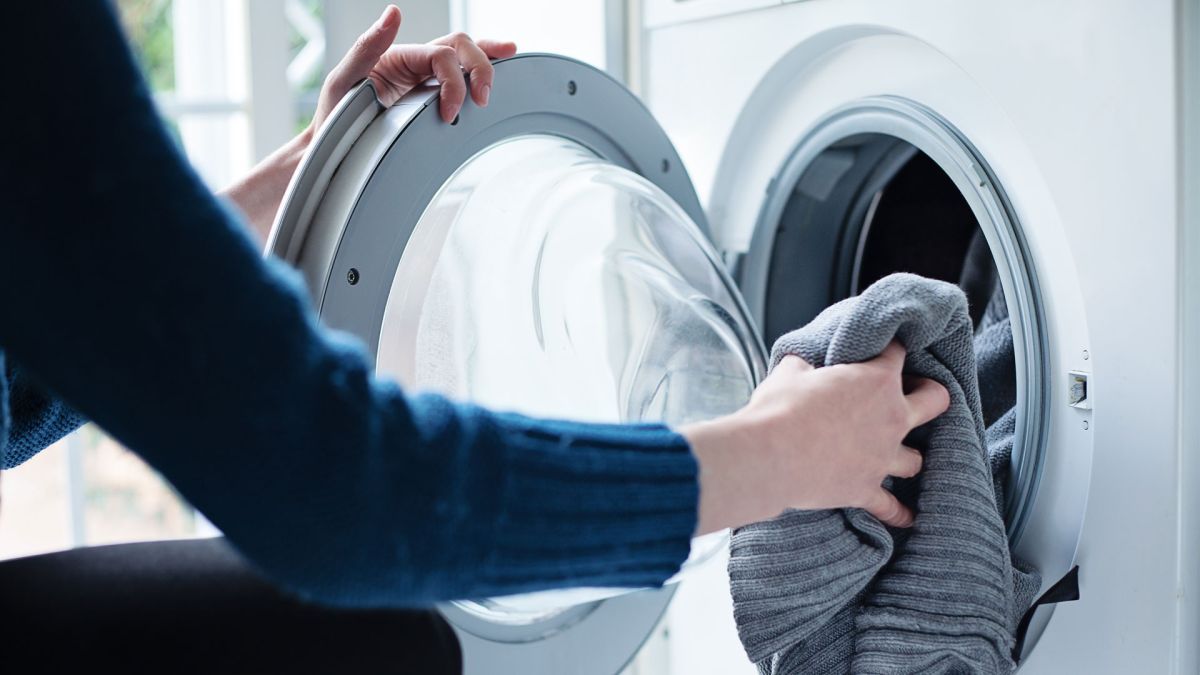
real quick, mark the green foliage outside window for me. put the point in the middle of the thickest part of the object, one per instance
(148, 25)
(152, 37)
(307, 91)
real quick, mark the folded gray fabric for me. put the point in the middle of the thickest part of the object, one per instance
(997, 369)
(995, 359)
(836, 591)
(996, 365)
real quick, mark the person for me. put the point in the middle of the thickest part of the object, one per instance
(132, 296)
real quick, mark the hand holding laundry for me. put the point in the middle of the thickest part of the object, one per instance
(823, 438)
(835, 591)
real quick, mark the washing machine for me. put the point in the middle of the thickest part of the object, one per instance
(574, 250)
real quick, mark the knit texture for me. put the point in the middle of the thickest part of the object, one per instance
(995, 359)
(837, 592)
(5, 411)
(35, 418)
(140, 301)
(996, 368)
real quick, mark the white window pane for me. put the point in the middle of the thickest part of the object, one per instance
(574, 29)
(35, 516)
(218, 145)
(121, 499)
(124, 499)
(210, 50)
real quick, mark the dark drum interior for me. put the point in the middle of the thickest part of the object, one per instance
(872, 205)
(866, 207)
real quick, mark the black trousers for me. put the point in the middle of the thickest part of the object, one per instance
(196, 607)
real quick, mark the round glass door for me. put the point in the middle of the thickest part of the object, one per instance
(546, 280)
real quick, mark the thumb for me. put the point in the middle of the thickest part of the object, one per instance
(368, 48)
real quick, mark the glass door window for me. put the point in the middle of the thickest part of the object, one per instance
(546, 280)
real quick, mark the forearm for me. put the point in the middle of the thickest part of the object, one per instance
(259, 193)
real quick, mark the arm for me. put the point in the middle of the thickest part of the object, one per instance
(259, 193)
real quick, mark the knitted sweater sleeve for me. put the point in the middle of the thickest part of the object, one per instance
(37, 417)
(128, 290)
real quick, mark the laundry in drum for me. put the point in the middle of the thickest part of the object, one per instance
(947, 595)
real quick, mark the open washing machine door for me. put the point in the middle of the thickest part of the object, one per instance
(546, 254)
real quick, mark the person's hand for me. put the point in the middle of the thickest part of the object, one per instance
(815, 439)
(396, 70)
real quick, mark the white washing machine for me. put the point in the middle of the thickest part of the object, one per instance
(550, 254)
(1063, 124)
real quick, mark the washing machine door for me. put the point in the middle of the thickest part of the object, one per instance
(547, 255)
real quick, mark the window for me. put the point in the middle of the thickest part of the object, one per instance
(588, 30)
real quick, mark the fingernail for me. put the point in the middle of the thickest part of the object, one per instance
(385, 18)
(485, 93)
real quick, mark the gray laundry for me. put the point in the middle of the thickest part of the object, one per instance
(836, 591)
(997, 388)
(995, 359)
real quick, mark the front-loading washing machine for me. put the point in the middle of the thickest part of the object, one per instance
(549, 254)
(1065, 126)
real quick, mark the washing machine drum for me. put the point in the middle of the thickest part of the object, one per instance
(546, 254)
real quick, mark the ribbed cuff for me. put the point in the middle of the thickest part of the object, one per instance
(590, 504)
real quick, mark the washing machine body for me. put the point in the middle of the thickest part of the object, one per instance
(1069, 130)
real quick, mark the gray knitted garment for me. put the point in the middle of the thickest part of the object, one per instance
(836, 591)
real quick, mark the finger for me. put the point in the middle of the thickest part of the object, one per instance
(497, 49)
(906, 463)
(367, 49)
(444, 63)
(926, 401)
(889, 510)
(794, 362)
(475, 62)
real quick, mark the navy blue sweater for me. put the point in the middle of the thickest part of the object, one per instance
(132, 294)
